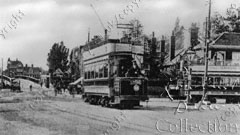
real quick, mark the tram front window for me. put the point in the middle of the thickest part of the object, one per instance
(134, 71)
(123, 67)
(122, 71)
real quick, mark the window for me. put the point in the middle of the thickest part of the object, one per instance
(227, 81)
(88, 72)
(210, 80)
(92, 72)
(97, 71)
(101, 71)
(197, 81)
(235, 81)
(105, 70)
(229, 55)
(217, 81)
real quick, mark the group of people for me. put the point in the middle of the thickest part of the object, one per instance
(134, 71)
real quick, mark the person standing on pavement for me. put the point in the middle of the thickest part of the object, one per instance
(30, 87)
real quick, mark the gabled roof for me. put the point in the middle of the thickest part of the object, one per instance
(228, 38)
(58, 72)
(15, 64)
(227, 41)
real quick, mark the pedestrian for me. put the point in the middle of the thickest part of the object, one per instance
(134, 71)
(41, 83)
(30, 87)
(122, 71)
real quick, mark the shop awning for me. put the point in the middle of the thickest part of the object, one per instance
(77, 81)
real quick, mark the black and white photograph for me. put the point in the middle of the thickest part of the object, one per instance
(119, 67)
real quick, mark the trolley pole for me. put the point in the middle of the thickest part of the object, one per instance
(207, 41)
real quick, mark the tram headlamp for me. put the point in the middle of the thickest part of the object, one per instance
(136, 87)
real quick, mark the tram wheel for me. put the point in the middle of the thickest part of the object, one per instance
(129, 106)
(102, 102)
(122, 106)
(99, 101)
(235, 100)
(193, 100)
(213, 100)
(106, 103)
(92, 100)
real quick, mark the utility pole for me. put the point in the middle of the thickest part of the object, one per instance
(209, 20)
(2, 74)
(207, 41)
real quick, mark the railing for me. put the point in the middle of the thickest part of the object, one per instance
(218, 63)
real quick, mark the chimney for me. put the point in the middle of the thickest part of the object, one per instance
(172, 47)
(32, 65)
(194, 35)
(154, 45)
(162, 49)
(162, 45)
(105, 35)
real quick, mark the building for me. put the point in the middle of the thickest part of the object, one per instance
(224, 59)
(16, 68)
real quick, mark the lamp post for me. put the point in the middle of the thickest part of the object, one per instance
(2, 74)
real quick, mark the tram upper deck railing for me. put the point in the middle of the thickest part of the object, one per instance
(217, 63)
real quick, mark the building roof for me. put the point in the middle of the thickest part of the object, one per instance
(15, 64)
(226, 41)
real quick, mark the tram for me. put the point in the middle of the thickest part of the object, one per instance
(223, 76)
(104, 69)
(223, 83)
(223, 72)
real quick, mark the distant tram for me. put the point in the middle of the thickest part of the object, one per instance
(223, 76)
(223, 83)
(105, 81)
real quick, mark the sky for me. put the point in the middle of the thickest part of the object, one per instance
(45, 22)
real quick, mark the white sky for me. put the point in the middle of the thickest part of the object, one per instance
(48, 21)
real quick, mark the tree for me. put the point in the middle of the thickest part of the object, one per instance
(228, 23)
(57, 57)
(137, 30)
(179, 35)
(74, 63)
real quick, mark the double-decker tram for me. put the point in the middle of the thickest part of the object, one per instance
(107, 77)
(223, 82)
(222, 74)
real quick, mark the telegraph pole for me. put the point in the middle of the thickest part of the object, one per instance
(207, 41)
(2, 74)
(209, 20)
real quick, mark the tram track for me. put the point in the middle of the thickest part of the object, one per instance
(99, 118)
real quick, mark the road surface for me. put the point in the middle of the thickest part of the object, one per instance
(39, 112)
